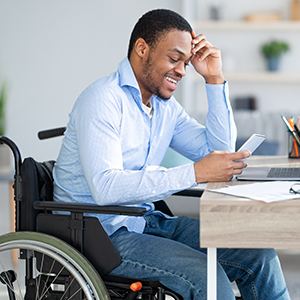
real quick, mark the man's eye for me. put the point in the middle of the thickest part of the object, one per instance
(173, 60)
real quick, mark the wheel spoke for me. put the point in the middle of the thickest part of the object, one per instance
(50, 272)
(39, 281)
(52, 281)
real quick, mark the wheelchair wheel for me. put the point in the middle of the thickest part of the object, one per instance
(38, 266)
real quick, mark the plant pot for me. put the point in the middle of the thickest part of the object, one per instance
(5, 157)
(273, 62)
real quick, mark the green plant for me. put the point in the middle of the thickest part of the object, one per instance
(3, 100)
(274, 48)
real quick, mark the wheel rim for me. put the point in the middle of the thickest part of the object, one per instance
(87, 278)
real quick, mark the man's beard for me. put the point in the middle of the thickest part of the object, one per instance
(148, 71)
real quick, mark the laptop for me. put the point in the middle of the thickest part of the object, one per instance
(270, 173)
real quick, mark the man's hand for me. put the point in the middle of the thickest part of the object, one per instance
(207, 60)
(220, 166)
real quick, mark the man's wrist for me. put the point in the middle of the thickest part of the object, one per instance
(217, 79)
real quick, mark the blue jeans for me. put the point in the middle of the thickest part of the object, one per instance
(169, 251)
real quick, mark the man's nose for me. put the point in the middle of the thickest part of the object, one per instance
(180, 69)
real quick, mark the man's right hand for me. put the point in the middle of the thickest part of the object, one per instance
(220, 166)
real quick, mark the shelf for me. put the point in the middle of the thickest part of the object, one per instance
(265, 77)
(248, 25)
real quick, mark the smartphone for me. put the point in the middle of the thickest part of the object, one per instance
(252, 143)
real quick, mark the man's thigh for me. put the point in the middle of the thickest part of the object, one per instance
(156, 251)
(182, 229)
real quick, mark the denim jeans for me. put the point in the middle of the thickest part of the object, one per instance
(169, 251)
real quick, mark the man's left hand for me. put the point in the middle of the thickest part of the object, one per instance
(207, 60)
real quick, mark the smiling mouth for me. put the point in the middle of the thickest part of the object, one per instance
(171, 80)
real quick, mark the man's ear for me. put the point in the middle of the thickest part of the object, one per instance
(141, 48)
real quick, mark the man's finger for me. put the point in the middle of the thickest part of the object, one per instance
(240, 155)
(198, 38)
(240, 165)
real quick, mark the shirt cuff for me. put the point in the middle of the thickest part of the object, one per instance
(181, 177)
(218, 94)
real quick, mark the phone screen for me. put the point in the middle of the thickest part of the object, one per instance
(253, 142)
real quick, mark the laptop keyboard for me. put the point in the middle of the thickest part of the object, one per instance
(284, 173)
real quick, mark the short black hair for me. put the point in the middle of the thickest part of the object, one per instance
(155, 22)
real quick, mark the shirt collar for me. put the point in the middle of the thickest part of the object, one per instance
(127, 78)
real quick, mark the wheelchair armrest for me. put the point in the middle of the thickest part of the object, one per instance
(89, 208)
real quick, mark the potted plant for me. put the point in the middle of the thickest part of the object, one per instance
(272, 52)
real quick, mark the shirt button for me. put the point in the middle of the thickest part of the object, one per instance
(178, 185)
(153, 192)
(188, 183)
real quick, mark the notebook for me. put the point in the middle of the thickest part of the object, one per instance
(269, 173)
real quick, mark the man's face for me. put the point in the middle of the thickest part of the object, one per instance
(166, 63)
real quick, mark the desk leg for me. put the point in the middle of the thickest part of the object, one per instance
(211, 274)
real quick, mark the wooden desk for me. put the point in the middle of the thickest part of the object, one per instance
(234, 222)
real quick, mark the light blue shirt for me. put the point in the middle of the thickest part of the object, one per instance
(112, 149)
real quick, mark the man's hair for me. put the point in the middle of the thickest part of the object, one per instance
(153, 24)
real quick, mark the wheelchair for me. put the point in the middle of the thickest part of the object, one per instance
(64, 256)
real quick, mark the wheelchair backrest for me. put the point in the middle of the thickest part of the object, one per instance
(37, 185)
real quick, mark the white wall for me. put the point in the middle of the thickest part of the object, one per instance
(51, 50)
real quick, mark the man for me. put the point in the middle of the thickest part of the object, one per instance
(117, 136)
